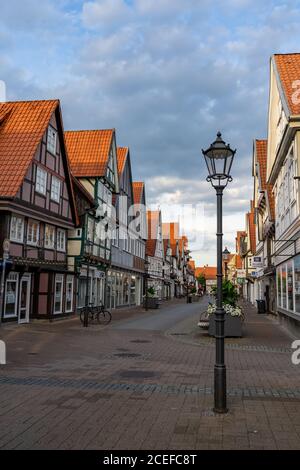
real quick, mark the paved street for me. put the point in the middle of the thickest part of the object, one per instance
(145, 382)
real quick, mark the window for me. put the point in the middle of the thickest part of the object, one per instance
(55, 189)
(16, 228)
(51, 140)
(283, 275)
(297, 283)
(41, 181)
(58, 293)
(61, 240)
(290, 285)
(49, 236)
(33, 230)
(11, 295)
(69, 293)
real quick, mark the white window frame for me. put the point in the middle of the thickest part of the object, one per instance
(47, 245)
(41, 180)
(51, 140)
(69, 279)
(55, 189)
(12, 277)
(61, 248)
(59, 279)
(16, 219)
(30, 241)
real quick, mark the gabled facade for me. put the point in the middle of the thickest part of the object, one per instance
(37, 209)
(264, 285)
(171, 233)
(155, 252)
(127, 271)
(283, 156)
(93, 160)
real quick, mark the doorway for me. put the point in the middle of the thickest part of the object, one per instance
(24, 298)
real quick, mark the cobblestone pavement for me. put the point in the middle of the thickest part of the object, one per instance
(126, 386)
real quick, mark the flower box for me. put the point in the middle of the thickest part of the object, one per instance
(232, 326)
(152, 302)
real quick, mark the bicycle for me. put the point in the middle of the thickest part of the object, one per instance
(97, 313)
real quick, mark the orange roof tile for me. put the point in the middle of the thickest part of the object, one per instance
(192, 265)
(210, 272)
(261, 153)
(137, 187)
(122, 153)
(89, 151)
(22, 125)
(288, 68)
(152, 226)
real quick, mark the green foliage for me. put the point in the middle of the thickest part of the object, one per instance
(151, 291)
(202, 281)
(193, 290)
(230, 295)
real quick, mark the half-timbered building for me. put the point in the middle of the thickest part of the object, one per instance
(37, 209)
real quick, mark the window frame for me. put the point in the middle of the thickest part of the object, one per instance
(30, 242)
(50, 247)
(53, 194)
(58, 247)
(59, 279)
(38, 184)
(15, 239)
(51, 128)
(69, 278)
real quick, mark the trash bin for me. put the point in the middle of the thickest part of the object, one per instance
(190, 299)
(261, 306)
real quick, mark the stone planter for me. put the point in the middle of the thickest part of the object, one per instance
(195, 298)
(152, 302)
(232, 326)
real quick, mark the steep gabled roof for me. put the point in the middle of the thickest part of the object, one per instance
(288, 71)
(22, 125)
(122, 153)
(89, 151)
(138, 188)
(170, 231)
(261, 154)
(209, 272)
(153, 218)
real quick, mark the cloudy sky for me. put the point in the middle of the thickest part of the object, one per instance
(167, 74)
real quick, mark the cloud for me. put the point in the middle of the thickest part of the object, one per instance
(166, 74)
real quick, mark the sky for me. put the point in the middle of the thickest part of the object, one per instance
(168, 75)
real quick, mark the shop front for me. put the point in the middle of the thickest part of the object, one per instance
(288, 291)
(123, 289)
(91, 282)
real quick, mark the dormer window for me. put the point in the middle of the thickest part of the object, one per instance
(51, 140)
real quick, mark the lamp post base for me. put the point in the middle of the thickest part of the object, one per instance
(220, 389)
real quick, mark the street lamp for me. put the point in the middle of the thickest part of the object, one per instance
(219, 158)
(225, 255)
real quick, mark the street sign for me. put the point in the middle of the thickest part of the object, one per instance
(241, 273)
(257, 262)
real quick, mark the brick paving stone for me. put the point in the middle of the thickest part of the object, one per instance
(75, 393)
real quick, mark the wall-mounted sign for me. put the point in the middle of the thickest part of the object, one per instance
(241, 273)
(257, 262)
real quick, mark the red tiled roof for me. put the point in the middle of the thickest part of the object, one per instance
(137, 187)
(89, 151)
(152, 226)
(122, 153)
(238, 262)
(261, 153)
(288, 67)
(252, 230)
(22, 125)
(210, 272)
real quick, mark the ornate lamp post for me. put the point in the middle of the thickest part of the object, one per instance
(219, 158)
(225, 255)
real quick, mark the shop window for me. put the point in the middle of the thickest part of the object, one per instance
(284, 286)
(297, 283)
(290, 285)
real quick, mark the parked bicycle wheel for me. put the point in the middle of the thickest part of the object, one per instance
(104, 317)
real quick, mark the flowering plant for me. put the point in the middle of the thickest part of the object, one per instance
(229, 309)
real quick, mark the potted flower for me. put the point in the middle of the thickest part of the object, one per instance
(233, 313)
(151, 298)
